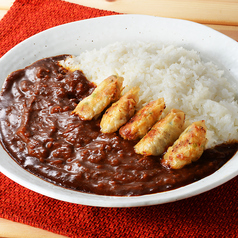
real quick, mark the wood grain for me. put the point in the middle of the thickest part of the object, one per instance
(220, 12)
(2, 13)
(5, 4)
(10, 229)
(220, 15)
(231, 31)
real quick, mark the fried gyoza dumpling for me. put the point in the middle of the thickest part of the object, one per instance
(188, 148)
(162, 135)
(107, 91)
(120, 112)
(143, 120)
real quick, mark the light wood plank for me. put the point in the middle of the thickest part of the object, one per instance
(203, 11)
(4, 7)
(6, 4)
(231, 31)
(2, 13)
(10, 229)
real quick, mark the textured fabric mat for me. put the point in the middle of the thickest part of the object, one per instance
(212, 214)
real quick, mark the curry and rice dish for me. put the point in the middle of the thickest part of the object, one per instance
(125, 120)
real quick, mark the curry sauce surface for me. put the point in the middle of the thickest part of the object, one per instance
(41, 134)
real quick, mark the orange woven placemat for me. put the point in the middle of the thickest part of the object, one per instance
(212, 214)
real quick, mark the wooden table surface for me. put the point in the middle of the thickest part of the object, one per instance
(221, 15)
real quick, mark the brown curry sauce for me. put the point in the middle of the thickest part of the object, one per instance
(41, 134)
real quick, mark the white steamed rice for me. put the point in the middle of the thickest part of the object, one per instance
(180, 76)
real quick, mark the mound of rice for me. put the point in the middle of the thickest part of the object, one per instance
(179, 75)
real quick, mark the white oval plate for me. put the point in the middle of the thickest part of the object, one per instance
(76, 37)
